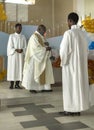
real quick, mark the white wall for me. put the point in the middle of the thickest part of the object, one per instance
(84, 7)
(79, 7)
(89, 7)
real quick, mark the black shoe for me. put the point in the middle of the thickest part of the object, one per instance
(11, 84)
(17, 87)
(65, 113)
(11, 87)
(78, 113)
(75, 113)
(33, 91)
(47, 90)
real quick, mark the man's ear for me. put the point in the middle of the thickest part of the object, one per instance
(71, 21)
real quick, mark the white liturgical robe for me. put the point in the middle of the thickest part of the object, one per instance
(37, 61)
(73, 53)
(15, 60)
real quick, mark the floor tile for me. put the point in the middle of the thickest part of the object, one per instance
(40, 111)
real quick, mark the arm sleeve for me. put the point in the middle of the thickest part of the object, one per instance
(38, 51)
(35, 50)
(10, 47)
(24, 46)
(65, 49)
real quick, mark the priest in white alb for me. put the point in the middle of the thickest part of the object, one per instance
(73, 53)
(38, 72)
(16, 52)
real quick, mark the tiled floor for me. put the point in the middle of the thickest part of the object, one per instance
(26, 111)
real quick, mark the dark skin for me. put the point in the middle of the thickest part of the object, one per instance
(18, 30)
(47, 46)
(70, 23)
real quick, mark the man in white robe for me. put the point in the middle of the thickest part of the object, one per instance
(16, 51)
(38, 73)
(73, 53)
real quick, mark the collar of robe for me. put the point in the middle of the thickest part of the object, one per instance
(75, 26)
(18, 34)
(40, 35)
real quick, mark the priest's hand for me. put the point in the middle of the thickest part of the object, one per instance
(48, 48)
(19, 50)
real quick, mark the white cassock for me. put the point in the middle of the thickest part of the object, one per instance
(15, 60)
(73, 53)
(37, 60)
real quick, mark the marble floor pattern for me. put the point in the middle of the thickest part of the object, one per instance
(21, 110)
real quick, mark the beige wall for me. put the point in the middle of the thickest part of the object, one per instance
(41, 12)
(52, 13)
(62, 9)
